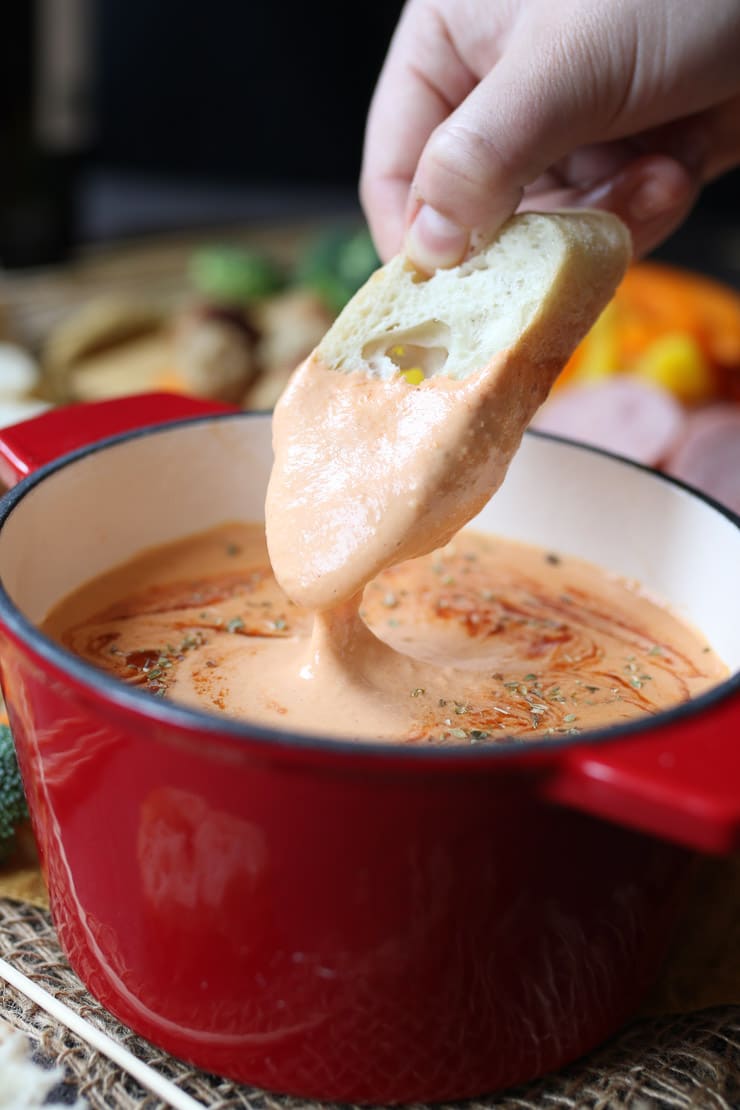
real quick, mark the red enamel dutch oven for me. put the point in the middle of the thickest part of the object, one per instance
(360, 922)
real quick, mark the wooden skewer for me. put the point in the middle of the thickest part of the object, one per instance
(101, 1042)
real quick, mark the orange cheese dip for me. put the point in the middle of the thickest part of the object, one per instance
(482, 641)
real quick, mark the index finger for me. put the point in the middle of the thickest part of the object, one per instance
(422, 81)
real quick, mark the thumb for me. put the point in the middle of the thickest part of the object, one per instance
(520, 119)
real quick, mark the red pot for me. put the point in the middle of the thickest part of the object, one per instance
(363, 922)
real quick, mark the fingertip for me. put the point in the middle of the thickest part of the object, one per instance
(652, 195)
(387, 235)
(434, 242)
(659, 188)
(383, 204)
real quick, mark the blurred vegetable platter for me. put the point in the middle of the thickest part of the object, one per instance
(658, 380)
(230, 320)
(222, 320)
(672, 328)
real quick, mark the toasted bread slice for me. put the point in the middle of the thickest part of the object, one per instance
(534, 291)
(371, 469)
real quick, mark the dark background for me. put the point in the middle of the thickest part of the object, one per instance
(205, 112)
(257, 91)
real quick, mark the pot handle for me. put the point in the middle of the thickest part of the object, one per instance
(31, 444)
(682, 782)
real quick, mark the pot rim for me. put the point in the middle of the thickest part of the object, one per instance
(161, 711)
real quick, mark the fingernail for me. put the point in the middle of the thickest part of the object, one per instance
(651, 199)
(433, 242)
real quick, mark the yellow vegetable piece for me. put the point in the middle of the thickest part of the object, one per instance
(677, 362)
(414, 375)
(600, 355)
(398, 352)
(170, 382)
(670, 299)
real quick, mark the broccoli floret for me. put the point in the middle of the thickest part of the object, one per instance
(234, 275)
(337, 264)
(13, 808)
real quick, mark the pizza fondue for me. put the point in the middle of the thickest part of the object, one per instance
(481, 641)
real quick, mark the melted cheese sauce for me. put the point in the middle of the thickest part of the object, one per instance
(369, 472)
(483, 640)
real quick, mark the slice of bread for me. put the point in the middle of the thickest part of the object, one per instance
(374, 465)
(538, 285)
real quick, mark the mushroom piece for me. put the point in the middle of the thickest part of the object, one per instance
(214, 353)
(290, 326)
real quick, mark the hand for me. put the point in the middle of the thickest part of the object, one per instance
(484, 107)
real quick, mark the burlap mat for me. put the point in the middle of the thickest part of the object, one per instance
(691, 1062)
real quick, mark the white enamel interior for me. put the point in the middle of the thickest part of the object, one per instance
(100, 510)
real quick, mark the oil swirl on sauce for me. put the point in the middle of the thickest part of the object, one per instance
(484, 640)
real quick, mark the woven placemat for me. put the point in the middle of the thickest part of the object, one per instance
(691, 1062)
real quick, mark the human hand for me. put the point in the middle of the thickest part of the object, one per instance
(485, 107)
